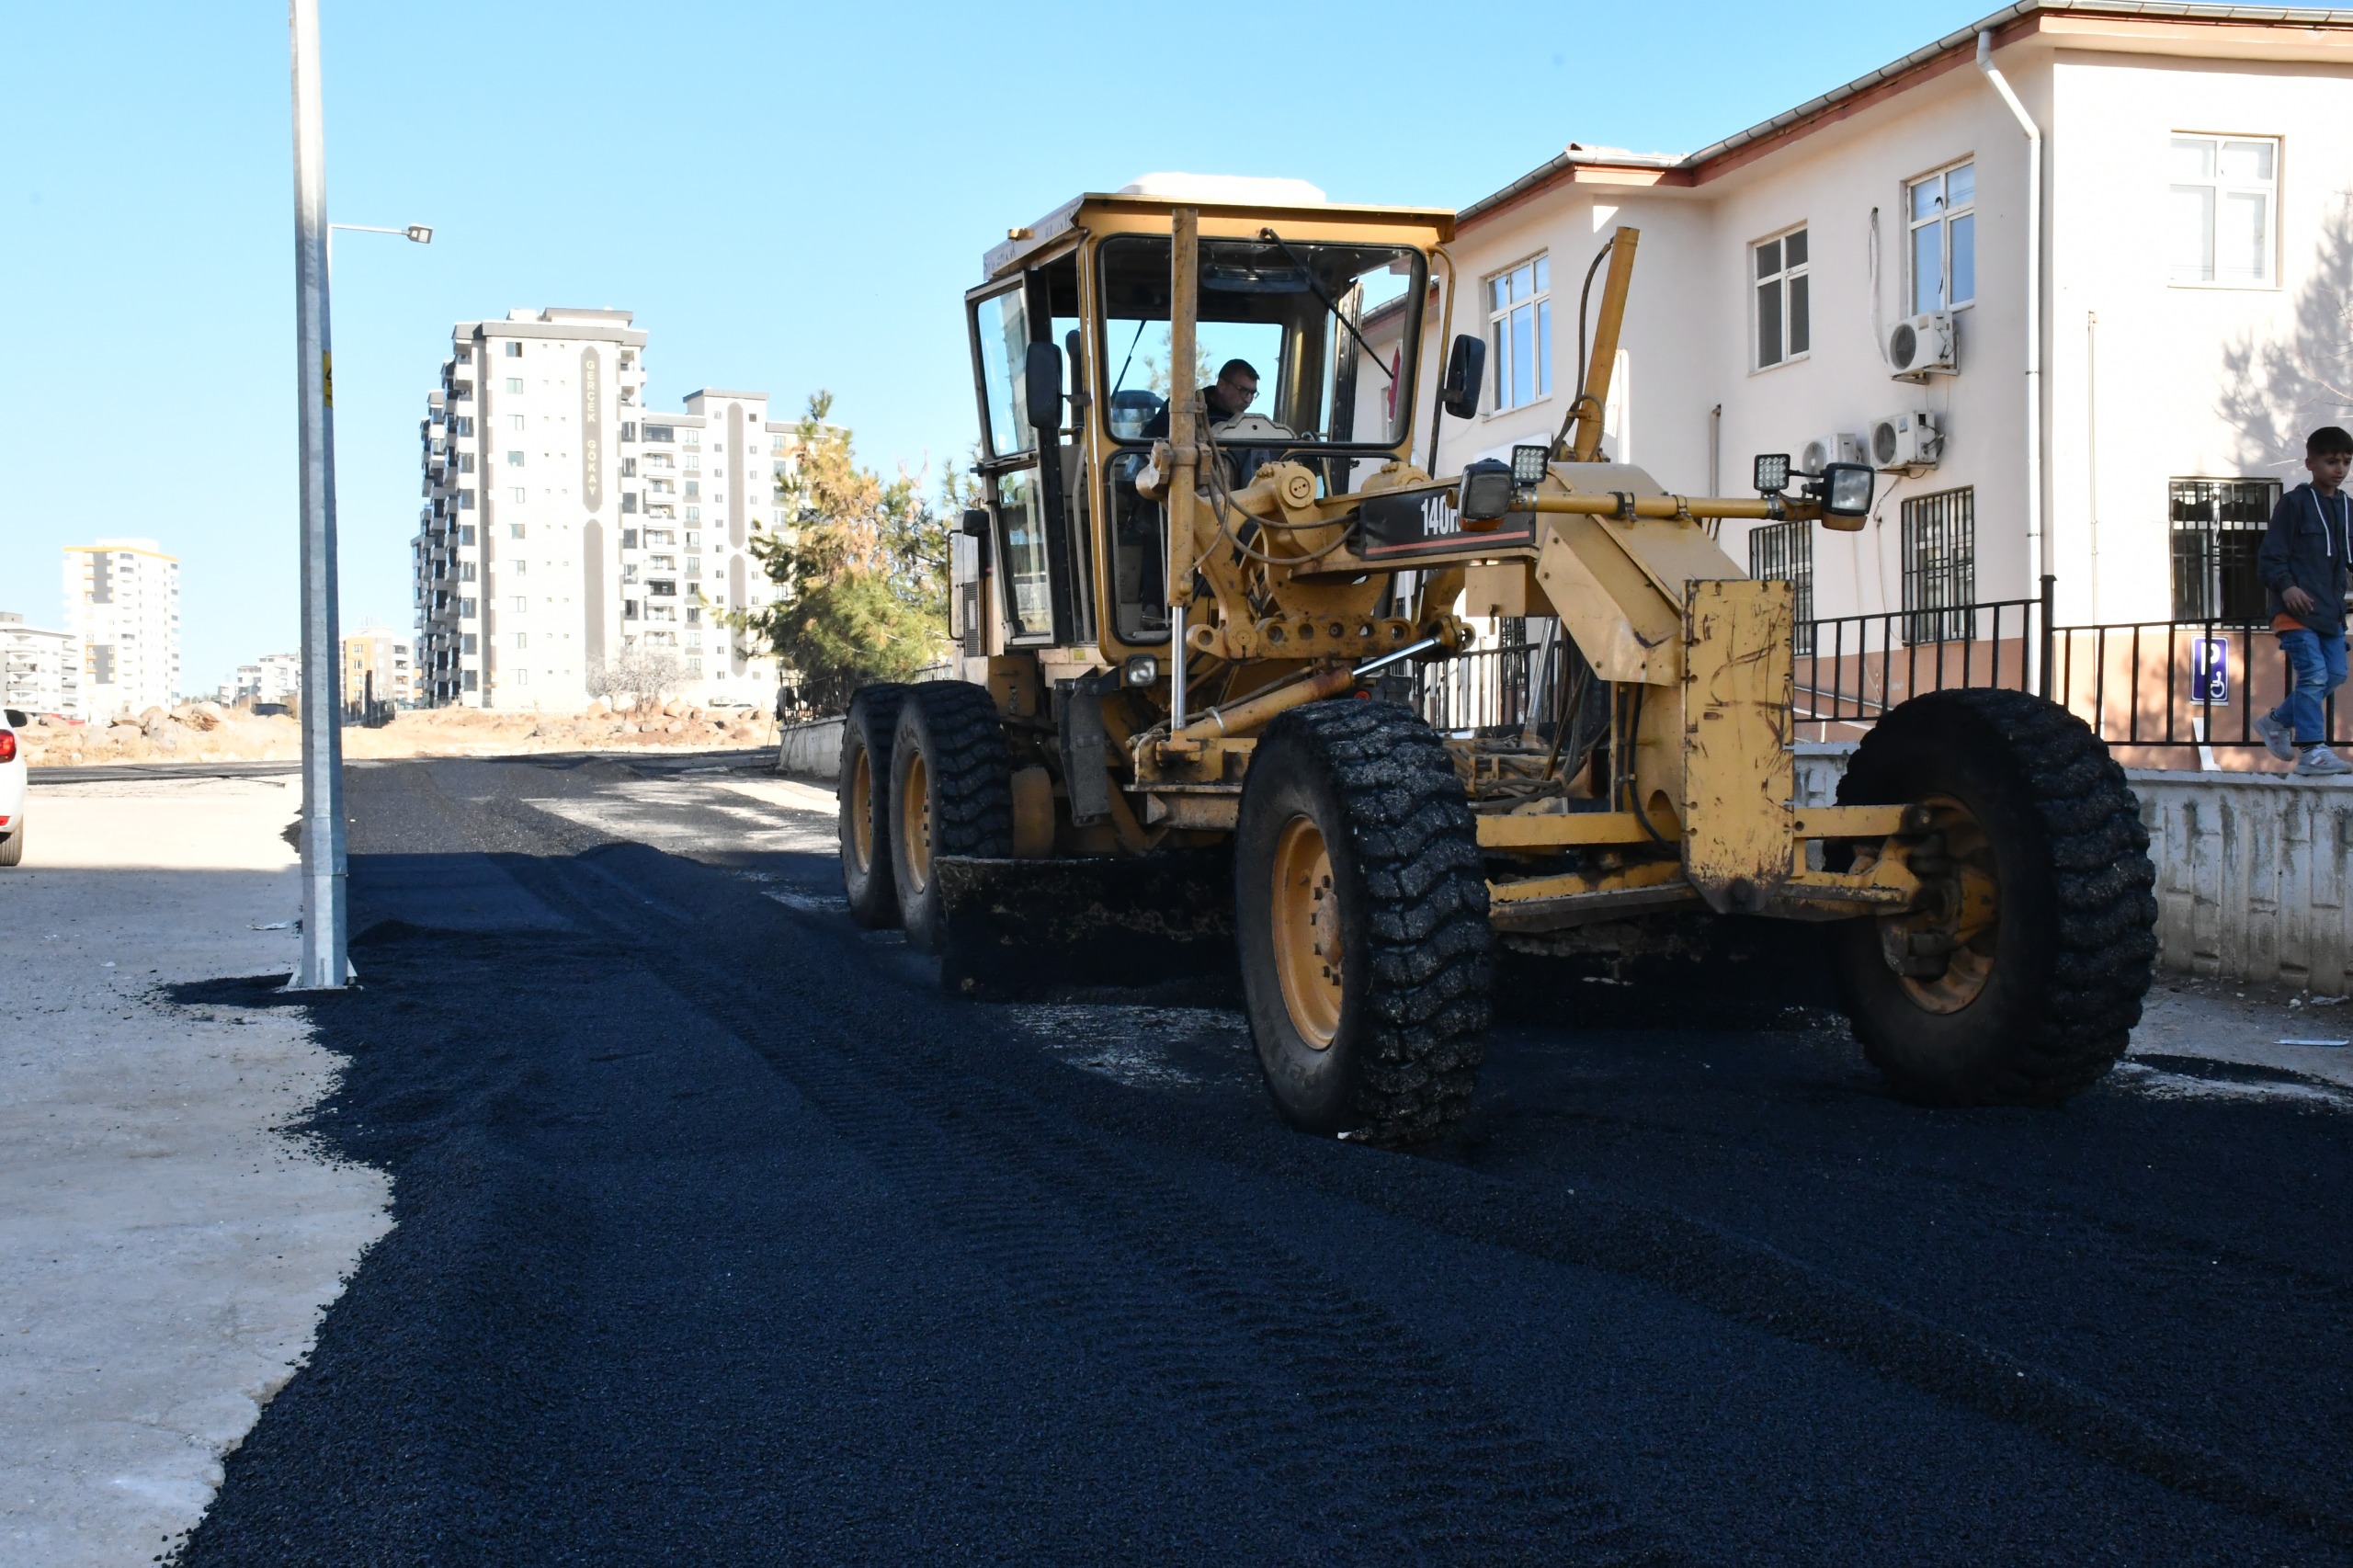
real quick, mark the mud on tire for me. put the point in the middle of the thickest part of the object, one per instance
(863, 786)
(2076, 942)
(1405, 1026)
(951, 794)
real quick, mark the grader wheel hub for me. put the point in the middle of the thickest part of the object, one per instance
(1943, 948)
(914, 827)
(1307, 932)
(861, 811)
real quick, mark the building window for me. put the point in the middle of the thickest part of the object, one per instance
(515, 530)
(628, 500)
(2217, 528)
(694, 514)
(663, 434)
(1941, 566)
(466, 610)
(515, 422)
(469, 680)
(522, 640)
(629, 431)
(629, 539)
(1520, 331)
(629, 609)
(1784, 302)
(521, 677)
(629, 468)
(472, 644)
(514, 460)
(2221, 210)
(520, 602)
(465, 533)
(1943, 213)
(1783, 552)
(465, 500)
(514, 351)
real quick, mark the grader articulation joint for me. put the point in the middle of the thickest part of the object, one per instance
(1173, 615)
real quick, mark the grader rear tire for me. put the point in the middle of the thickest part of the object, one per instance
(864, 789)
(951, 794)
(1360, 908)
(2023, 984)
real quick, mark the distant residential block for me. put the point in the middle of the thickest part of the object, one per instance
(41, 670)
(122, 605)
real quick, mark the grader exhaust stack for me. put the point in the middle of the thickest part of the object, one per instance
(1181, 603)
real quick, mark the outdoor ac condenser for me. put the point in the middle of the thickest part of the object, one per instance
(1907, 440)
(1922, 346)
(1822, 450)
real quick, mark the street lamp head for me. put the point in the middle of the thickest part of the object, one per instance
(421, 233)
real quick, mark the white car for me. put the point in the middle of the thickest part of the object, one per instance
(12, 786)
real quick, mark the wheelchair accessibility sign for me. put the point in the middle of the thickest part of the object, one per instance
(2209, 670)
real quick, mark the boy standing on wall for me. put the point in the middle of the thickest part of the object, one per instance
(2304, 559)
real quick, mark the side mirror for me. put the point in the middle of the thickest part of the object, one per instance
(1466, 369)
(1042, 383)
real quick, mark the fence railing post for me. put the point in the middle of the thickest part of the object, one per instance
(2050, 605)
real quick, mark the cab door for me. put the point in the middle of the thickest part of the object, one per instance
(1039, 591)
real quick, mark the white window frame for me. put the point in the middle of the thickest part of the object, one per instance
(2217, 186)
(1756, 281)
(1943, 218)
(1537, 303)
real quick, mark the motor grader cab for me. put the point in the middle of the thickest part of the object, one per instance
(1983, 882)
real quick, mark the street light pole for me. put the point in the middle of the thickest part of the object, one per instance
(324, 960)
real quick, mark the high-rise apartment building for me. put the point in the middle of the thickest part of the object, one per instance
(374, 661)
(41, 670)
(566, 525)
(123, 601)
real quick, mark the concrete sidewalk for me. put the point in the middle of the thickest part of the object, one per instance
(166, 1250)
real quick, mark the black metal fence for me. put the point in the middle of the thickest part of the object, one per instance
(2158, 685)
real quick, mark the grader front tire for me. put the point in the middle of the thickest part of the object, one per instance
(2022, 983)
(1360, 910)
(951, 794)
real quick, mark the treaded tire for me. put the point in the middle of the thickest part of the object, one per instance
(2075, 945)
(12, 849)
(863, 786)
(950, 731)
(1416, 952)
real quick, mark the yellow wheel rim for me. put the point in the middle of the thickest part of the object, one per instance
(861, 811)
(1307, 932)
(1962, 914)
(914, 826)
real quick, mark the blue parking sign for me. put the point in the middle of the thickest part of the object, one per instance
(2209, 670)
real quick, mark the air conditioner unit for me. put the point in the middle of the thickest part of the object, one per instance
(1906, 440)
(1822, 450)
(1922, 346)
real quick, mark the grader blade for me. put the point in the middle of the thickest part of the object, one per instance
(1024, 928)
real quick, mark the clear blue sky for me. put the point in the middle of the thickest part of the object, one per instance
(790, 196)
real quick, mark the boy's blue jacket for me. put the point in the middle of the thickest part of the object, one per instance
(2307, 546)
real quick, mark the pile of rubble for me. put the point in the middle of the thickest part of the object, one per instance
(206, 732)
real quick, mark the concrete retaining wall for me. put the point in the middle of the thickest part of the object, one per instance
(811, 750)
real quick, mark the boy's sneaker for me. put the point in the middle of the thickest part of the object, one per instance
(2277, 738)
(2320, 759)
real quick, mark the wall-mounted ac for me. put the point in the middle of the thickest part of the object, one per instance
(1908, 440)
(1922, 346)
(1822, 450)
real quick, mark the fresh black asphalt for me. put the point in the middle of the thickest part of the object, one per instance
(723, 1238)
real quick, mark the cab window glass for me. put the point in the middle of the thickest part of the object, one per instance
(1025, 583)
(1001, 331)
(1294, 312)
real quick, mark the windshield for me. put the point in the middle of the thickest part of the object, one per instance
(1291, 315)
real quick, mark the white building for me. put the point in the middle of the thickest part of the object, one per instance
(41, 671)
(2192, 274)
(274, 678)
(122, 604)
(566, 525)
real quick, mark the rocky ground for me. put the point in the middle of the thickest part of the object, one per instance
(205, 732)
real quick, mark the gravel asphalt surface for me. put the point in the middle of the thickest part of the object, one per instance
(722, 1236)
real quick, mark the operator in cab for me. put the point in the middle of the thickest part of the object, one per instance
(1236, 388)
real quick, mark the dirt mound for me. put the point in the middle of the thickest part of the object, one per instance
(205, 732)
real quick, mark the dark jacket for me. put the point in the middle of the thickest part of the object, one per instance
(2307, 546)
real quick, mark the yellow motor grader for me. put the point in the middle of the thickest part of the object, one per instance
(1191, 616)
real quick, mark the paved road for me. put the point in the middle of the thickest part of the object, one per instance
(723, 1238)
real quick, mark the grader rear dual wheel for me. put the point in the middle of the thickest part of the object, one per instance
(2019, 978)
(1360, 910)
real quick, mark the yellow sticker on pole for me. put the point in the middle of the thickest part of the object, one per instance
(326, 378)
